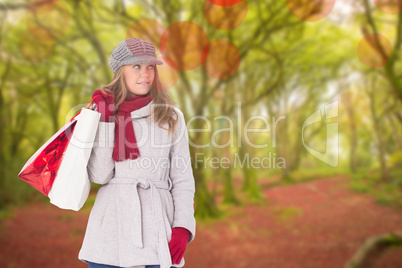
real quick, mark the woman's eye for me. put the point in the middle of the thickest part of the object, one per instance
(137, 65)
(151, 66)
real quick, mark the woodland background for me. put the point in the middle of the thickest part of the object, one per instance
(268, 58)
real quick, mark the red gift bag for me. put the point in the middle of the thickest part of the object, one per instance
(41, 169)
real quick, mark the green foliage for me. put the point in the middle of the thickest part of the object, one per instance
(86, 208)
(286, 214)
(359, 186)
(369, 182)
(324, 171)
(6, 213)
(14, 190)
(395, 160)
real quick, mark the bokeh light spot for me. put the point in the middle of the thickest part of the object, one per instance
(168, 75)
(225, 17)
(225, 3)
(392, 7)
(33, 49)
(372, 54)
(148, 30)
(223, 59)
(52, 19)
(40, 6)
(183, 45)
(310, 10)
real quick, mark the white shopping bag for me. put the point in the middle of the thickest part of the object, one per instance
(71, 186)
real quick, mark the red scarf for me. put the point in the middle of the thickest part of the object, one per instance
(125, 144)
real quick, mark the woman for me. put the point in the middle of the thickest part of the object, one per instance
(143, 215)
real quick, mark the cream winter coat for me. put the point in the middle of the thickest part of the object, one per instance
(141, 200)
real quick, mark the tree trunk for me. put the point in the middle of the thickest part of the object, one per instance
(348, 101)
(377, 133)
(250, 183)
(229, 194)
(204, 204)
(391, 60)
(372, 248)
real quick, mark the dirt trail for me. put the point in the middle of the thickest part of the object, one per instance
(313, 224)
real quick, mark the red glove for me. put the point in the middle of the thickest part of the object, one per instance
(105, 108)
(178, 243)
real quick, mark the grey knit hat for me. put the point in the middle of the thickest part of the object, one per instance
(133, 50)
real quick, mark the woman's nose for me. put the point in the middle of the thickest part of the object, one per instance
(145, 72)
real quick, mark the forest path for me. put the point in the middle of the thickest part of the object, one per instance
(318, 223)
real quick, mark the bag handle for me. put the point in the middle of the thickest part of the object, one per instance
(88, 104)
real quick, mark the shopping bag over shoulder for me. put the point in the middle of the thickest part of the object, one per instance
(71, 186)
(41, 168)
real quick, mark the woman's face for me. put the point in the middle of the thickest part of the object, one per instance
(139, 78)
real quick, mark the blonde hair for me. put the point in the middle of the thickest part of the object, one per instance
(162, 114)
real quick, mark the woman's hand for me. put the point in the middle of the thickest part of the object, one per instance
(178, 243)
(105, 108)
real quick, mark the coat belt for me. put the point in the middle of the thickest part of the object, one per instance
(134, 230)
